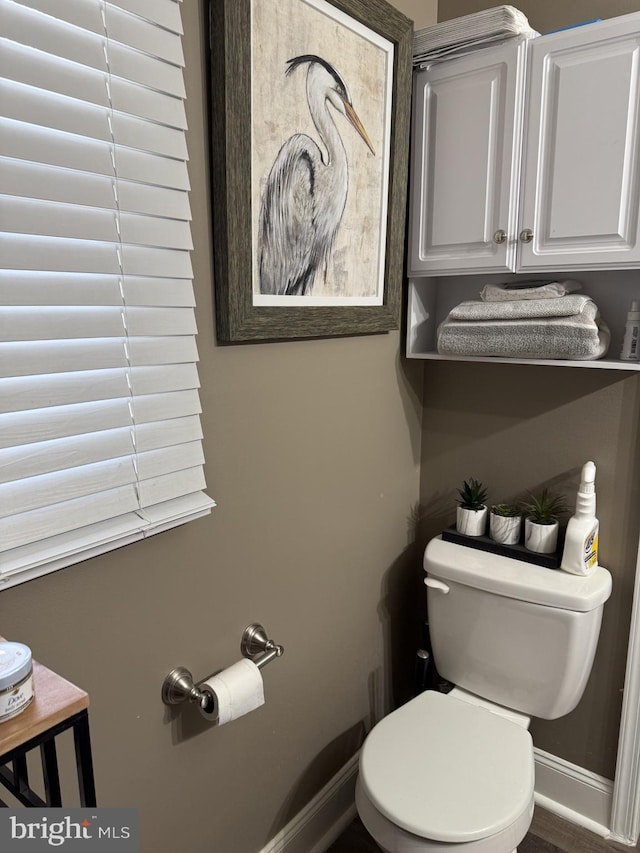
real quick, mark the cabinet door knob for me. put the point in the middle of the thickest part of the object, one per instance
(500, 236)
(526, 235)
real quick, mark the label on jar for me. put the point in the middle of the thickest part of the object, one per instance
(17, 698)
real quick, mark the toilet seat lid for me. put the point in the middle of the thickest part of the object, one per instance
(446, 770)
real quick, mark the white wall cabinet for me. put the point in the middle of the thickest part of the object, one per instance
(580, 195)
(526, 160)
(467, 116)
(529, 171)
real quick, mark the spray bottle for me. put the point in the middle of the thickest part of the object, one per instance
(631, 340)
(580, 554)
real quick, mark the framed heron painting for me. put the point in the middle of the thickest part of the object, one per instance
(310, 104)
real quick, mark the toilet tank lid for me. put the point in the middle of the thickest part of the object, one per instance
(515, 578)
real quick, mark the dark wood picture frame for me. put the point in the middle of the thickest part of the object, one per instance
(238, 319)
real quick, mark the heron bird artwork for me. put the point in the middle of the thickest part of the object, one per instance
(306, 190)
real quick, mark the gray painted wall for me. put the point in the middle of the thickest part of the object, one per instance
(313, 452)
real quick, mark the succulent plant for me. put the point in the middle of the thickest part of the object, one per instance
(506, 510)
(473, 495)
(545, 508)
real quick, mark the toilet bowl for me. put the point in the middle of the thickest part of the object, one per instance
(440, 774)
(455, 772)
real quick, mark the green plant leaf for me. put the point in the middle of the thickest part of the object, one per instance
(506, 510)
(545, 508)
(473, 495)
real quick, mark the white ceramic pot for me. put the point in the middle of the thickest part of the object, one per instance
(505, 529)
(542, 538)
(471, 522)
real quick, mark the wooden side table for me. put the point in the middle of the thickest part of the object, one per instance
(58, 706)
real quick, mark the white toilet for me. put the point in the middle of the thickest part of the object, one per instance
(455, 772)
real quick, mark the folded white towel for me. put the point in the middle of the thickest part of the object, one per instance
(460, 35)
(528, 290)
(518, 309)
(581, 337)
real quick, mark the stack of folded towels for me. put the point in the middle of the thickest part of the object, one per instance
(460, 36)
(531, 320)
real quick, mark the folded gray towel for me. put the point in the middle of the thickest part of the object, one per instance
(530, 290)
(580, 337)
(565, 306)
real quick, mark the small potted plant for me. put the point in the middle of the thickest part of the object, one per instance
(542, 521)
(471, 516)
(505, 523)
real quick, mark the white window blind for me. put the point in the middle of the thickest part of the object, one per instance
(100, 438)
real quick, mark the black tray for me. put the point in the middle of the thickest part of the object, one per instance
(517, 552)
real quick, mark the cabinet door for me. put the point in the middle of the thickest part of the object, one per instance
(465, 155)
(580, 195)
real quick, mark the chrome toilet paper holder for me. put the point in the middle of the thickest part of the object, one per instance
(179, 687)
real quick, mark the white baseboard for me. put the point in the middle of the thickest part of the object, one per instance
(573, 793)
(323, 819)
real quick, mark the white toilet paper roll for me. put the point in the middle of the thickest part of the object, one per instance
(234, 692)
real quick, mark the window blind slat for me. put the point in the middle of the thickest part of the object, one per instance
(52, 219)
(100, 436)
(36, 491)
(153, 200)
(56, 552)
(144, 36)
(37, 392)
(25, 103)
(70, 452)
(65, 186)
(123, 25)
(55, 390)
(50, 75)
(29, 104)
(62, 517)
(43, 71)
(21, 251)
(127, 97)
(45, 288)
(28, 358)
(180, 457)
(84, 14)
(35, 324)
(57, 422)
(166, 13)
(49, 456)
(32, 493)
(159, 407)
(30, 27)
(149, 136)
(146, 167)
(40, 524)
(130, 64)
(28, 142)
(34, 559)
(34, 425)
(33, 180)
(169, 486)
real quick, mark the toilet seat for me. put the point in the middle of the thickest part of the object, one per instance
(392, 839)
(448, 771)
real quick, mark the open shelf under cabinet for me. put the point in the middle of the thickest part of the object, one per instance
(431, 299)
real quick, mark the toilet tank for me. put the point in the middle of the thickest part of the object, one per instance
(515, 633)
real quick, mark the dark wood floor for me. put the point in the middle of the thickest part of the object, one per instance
(548, 834)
